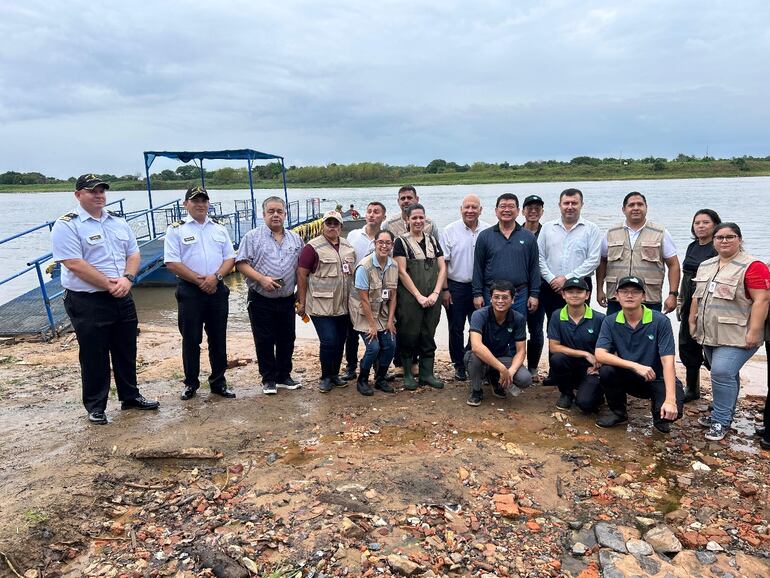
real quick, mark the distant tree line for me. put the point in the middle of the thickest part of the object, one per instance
(334, 173)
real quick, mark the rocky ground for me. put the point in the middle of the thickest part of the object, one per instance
(312, 485)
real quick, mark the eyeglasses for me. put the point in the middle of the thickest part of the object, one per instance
(507, 207)
(722, 238)
(384, 243)
(630, 291)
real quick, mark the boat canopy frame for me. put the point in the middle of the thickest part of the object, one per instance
(249, 155)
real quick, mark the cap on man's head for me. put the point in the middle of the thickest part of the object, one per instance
(90, 181)
(196, 191)
(575, 283)
(333, 215)
(631, 280)
(533, 199)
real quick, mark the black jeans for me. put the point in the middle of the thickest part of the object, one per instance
(199, 310)
(571, 373)
(351, 347)
(536, 336)
(458, 313)
(106, 328)
(618, 382)
(272, 326)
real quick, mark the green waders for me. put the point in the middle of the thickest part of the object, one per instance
(416, 324)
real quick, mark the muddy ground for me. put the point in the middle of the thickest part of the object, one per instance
(307, 484)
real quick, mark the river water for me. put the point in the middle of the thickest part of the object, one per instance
(672, 203)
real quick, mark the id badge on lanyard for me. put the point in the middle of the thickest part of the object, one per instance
(385, 294)
(346, 268)
(712, 286)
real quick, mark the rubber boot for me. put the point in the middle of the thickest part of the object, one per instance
(325, 385)
(381, 381)
(409, 382)
(692, 387)
(362, 385)
(426, 373)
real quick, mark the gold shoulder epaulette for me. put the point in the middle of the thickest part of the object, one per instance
(115, 214)
(68, 217)
(178, 223)
(216, 221)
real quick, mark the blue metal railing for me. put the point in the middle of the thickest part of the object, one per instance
(171, 210)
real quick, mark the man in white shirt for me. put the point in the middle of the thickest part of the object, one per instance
(639, 248)
(568, 247)
(458, 241)
(363, 239)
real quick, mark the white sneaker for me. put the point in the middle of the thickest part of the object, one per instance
(716, 432)
(268, 388)
(289, 383)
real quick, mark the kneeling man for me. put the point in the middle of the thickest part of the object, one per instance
(572, 336)
(498, 336)
(636, 353)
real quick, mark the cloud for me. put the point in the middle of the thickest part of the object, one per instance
(401, 82)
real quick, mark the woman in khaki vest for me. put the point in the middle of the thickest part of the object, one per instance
(727, 317)
(421, 272)
(373, 305)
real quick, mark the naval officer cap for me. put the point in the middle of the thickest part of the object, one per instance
(90, 181)
(196, 191)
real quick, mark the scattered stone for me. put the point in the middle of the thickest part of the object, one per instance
(662, 539)
(700, 467)
(403, 565)
(705, 557)
(350, 529)
(579, 549)
(713, 546)
(639, 548)
(645, 523)
(609, 536)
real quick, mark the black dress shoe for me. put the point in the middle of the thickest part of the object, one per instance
(97, 417)
(223, 392)
(662, 426)
(759, 430)
(337, 381)
(188, 393)
(139, 403)
(461, 374)
(349, 375)
(764, 444)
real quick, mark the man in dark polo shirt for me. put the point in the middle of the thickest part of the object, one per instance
(498, 336)
(507, 252)
(572, 335)
(636, 352)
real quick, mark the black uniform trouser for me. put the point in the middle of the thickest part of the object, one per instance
(458, 313)
(571, 373)
(690, 351)
(106, 328)
(618, 382)
(272, 325)
(199, 310)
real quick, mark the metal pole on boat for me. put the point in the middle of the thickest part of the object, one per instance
(149, 192)
(285, 192)
(253, 206)
(203, 176)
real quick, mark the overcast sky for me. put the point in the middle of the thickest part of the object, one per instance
(88, 86)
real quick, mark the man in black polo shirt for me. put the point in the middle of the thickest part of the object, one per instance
(498, 336)
(572, 336)
(636, 350)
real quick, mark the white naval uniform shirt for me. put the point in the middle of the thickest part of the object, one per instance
(104, 243)
(202, 248)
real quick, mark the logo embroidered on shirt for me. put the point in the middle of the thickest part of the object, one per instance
(650, 337)
(590, 330)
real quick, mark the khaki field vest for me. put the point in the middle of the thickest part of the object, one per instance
(380, 306)
(329, 287)
(644, 260)
(723, 314)
(413, 249)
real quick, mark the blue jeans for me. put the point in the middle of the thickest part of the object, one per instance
(726, 362)
(519, 300)
(332, 332)
(380, 350)
(458, 313)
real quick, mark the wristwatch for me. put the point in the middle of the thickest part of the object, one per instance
(674, 293)
(218, 276)
(130, 277)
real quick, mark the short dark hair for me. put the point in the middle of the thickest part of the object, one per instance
(634, 194)
(502, 285)
(407, 188)
(385, 232)
(571, 193)
(507, 197)
(732, 226)
(711, 214)
(415, 207)
(379, 204)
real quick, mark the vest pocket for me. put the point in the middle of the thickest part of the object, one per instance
(322, 294)
(651, 251)
(725, 290)
(327, 267)
(732, 321)
(615, 251)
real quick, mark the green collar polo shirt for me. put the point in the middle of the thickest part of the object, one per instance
(650, 340)
(582, 335)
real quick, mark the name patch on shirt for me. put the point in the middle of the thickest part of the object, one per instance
(189, 240)
(94, 239)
